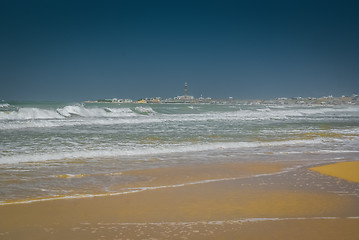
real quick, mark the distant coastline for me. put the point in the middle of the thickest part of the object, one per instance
(326, 100)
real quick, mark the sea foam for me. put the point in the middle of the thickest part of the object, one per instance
(145, 150)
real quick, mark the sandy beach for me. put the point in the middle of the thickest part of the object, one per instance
(248, 200)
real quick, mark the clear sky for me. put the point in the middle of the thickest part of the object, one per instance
(80, 50)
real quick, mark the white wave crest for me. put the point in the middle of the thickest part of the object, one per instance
(120, 112)
(37, 117)
(144, 110)
(4, 105)
(65, 112)
(79, 110)
(117, 152)
(69, 111)
(30, 113)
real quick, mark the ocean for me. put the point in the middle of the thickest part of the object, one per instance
(56, 150)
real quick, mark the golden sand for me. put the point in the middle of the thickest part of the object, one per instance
(345, 170)
(200, 172)
(196, 203)
(210, 210)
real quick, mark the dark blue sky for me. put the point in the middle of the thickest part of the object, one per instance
(79, 50)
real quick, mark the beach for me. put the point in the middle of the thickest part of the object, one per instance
(241, 200)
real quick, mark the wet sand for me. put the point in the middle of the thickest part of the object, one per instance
(252, 201)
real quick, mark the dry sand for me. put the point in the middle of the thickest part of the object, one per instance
(298, 204)
(345, 170)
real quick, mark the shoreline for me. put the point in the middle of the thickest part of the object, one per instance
(254, 194)
(172, 177)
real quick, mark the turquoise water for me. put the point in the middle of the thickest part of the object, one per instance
(47, 149)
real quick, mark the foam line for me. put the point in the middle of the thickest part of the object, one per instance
(136, 190)
(221, 222)
(148, 151)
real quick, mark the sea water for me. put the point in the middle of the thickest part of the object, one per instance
(50, 150)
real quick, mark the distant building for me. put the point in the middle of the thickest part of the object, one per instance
(184, 98)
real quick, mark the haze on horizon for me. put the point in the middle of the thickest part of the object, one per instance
(80, 50)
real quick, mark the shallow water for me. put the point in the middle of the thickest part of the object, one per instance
(64, 149)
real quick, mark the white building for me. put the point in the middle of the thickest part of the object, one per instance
(184, 98)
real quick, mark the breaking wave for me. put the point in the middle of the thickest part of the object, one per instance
(144, 110)
(12, 117)
(144, 150)
(61, 113)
